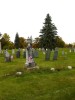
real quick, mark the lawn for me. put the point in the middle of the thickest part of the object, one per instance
(38, 84)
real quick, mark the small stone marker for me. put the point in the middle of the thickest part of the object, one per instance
(70, 50)
(13, 52)
(18, 54)
(63, 53)
(12, 57)
(47, 55)
(55, 54)
(44, 53)
(24, 54)
(35, 53)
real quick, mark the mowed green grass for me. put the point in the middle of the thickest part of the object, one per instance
(38, 84)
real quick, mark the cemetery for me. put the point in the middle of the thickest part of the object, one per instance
(52, 77)
(43, 69)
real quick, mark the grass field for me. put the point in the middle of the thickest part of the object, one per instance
(38, 84)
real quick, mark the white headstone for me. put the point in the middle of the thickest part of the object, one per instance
(44, 53)
(39, 49)
(7, 54)
(70, 50)
(13, 51)
(27, 62)
(11, 57)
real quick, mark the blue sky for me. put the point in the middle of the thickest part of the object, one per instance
(27, 17)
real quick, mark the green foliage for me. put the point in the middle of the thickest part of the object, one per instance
(59, 42)
(70, 45)
(11, 45)
(23, 43)
(6, 37)
(5, 41)
(36, 43)
(17, 41)
(48, 34)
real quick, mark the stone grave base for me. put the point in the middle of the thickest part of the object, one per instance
(8, 59)
(32, 66)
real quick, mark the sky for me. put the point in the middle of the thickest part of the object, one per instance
(27, 17)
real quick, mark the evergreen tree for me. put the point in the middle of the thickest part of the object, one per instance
(48, 34)
(17, 41)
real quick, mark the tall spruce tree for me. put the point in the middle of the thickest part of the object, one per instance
(48, 34)
(17, 41)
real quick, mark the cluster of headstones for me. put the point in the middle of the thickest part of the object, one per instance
(9, 57)
(47, 53)
(72, 49)
(35, 53)
(64, 54)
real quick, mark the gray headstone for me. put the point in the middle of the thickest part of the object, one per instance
(63, 53)
(7, 56)
(35, 54)
(47, 55)
(24, 54)
(55, 54)
(72, 49)
(13, 51)
(18, 54)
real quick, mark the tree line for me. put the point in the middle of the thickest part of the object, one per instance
(48, 38)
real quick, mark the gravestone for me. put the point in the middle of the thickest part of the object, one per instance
(35, 54)
(13, 51)
(29, 57)
(30, 63)
(7, 56)
(63, 53)
(18, 54)
(47, 54)
(55, 54)
(39, 49)
(12, 57)
(23, 50)
(44, 51)
(70, 50)
(24, 54)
